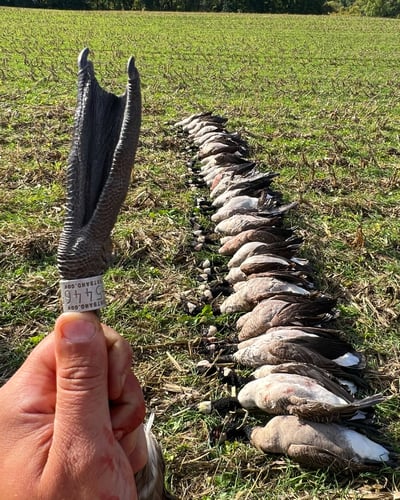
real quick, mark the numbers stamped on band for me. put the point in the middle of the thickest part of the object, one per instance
(85, 294)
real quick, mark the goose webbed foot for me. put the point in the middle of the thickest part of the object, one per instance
(105, 139)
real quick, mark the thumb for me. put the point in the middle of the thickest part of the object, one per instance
(82, 409)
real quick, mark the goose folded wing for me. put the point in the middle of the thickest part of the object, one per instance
(319, 411)
(270, 236)
(313, 457)
(336, 349)
(256, 290)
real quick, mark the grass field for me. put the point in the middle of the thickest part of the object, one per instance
(317, 97)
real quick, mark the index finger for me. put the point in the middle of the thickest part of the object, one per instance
(119, 361)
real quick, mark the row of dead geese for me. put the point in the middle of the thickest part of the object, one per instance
(306, 375)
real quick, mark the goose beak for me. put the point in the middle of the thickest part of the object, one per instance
(105, 139)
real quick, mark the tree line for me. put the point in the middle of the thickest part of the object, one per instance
(374, 8)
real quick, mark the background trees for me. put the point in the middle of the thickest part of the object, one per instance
(377, 8)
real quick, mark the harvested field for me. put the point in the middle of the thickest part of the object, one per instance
(318, 100)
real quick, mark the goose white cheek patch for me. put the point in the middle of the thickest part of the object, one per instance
(81, 295)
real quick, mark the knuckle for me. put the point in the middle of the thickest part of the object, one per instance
(80, 377)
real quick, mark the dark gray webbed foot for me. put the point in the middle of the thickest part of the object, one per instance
(105, 139)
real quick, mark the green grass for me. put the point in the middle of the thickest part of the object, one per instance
(318, 99)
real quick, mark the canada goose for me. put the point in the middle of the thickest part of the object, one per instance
(271, 236)
(256, 257)
(237, 205)
(293, 394)
(236, 275)
(223, 198)
(220, 173)
(325, 343)
(284, 351)
(289, 393)
(285, 310)
(223, 183)
(214, 136)
(260, 319)
(222, 138)
(264, 262)
(251, 183)
(220, 146)
(256, 248)
(192, 118)
(249, 293)
(241, 222)
(205, 128)
(208, 172)
(323, 377)
(213, 175)
(318, 445)
(202, 139)
(201, 126)
(351, 386)
(290, 275)
(244, 183)
(260, 282)
(328, 345)
(289, 332)
(265, 216)
(220, 158)
(204, 120)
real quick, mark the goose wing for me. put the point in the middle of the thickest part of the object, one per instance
(256, 290)
(321, 412)
(288, 351)
(323, 377)
(274, 235)
(314, 457)
(305, 310)
(263, 262)
(241, 222)
(336, 349)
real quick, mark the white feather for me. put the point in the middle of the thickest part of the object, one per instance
(364, 447)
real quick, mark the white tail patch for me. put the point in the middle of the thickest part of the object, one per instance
(347, 359)
(364, 447)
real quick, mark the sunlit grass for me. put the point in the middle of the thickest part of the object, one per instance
(317, 98)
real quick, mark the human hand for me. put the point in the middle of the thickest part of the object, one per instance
(71, 417)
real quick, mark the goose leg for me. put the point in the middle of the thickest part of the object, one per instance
(105, 139)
